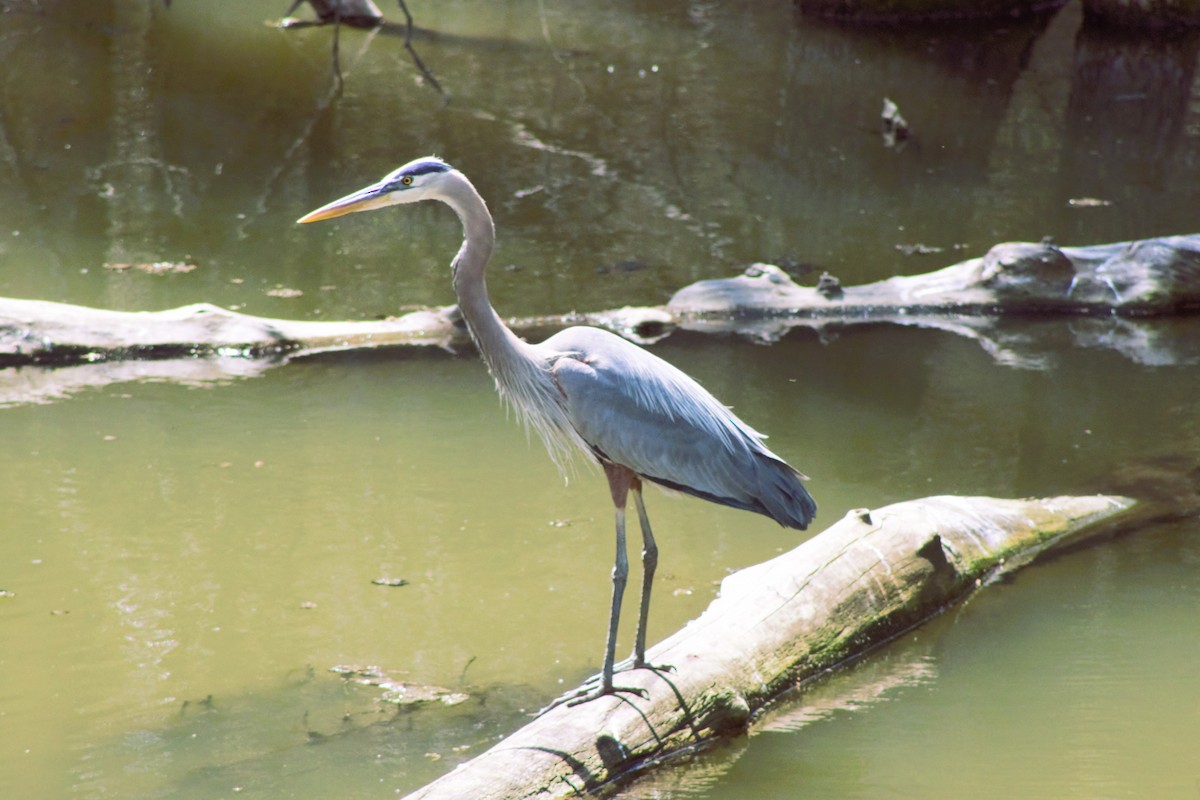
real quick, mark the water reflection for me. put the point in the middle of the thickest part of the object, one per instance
(1129, 110)
(164, 544)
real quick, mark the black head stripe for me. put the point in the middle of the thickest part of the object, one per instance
(426, 167)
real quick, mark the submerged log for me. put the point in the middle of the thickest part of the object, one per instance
(863, 581)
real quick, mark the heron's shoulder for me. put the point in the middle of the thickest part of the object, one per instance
(586, 339)
(594, 365)
(610, 356)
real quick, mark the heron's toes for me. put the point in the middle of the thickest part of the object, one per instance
(588, 692)
(635, 664)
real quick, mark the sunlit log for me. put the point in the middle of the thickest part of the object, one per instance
(41, 332)
(866, 579)
(1118, 291)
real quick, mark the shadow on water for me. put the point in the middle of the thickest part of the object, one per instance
(223, 743)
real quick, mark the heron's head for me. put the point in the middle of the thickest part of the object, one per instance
(416, 180)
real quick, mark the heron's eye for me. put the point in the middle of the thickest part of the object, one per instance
(406, 180)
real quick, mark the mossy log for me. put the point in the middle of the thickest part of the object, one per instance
(861, 582)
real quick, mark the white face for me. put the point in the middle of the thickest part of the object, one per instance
(408, 184)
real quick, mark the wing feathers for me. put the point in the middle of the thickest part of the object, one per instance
(639, 411)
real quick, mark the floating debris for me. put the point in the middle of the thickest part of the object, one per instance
(1088, 202)
(521, 194)
(285, 293)
(629, 265)
(153, 267)
(398, 692)
(390, 581)
(895, 126)
(919, 249)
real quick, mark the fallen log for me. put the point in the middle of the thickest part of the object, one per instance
(36, 332)
(1130, 297)
(1121, 290)
(861, 582)
(1149, 276)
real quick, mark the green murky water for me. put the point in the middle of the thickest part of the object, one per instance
(183, 562)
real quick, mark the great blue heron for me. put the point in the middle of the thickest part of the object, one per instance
(590, 391)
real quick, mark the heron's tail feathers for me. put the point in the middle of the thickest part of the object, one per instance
(774, 489)
(783, 497)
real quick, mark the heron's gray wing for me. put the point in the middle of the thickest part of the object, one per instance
(634, 409)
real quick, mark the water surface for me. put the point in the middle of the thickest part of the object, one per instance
(184, 562)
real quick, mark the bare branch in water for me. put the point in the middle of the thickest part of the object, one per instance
(365, 17)
(408, 29)
(339, 84)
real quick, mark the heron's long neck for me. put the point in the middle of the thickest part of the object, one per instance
(518, 368)
(498, 345)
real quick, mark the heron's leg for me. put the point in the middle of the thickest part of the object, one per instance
(620, 573)
(649, 563)
(620, 481)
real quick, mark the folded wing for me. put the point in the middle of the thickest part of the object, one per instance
(634, 409)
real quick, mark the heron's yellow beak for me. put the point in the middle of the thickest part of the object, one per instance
(363, 200)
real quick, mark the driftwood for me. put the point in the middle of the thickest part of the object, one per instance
(861, 582)
(1150, 276)
(1129, 296)
(40, 332)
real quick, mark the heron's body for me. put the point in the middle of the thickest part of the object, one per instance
(585, 390)
(632, 409)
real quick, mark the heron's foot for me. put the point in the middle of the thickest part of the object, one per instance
(633, 662)
(591, 691)
(641, 663)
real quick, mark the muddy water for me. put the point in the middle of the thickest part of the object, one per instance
(183, 562)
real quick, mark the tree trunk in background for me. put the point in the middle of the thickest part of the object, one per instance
(1136, 13)
(1130, 106)
(1144, 13)
(925, 10)
(135, 180)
